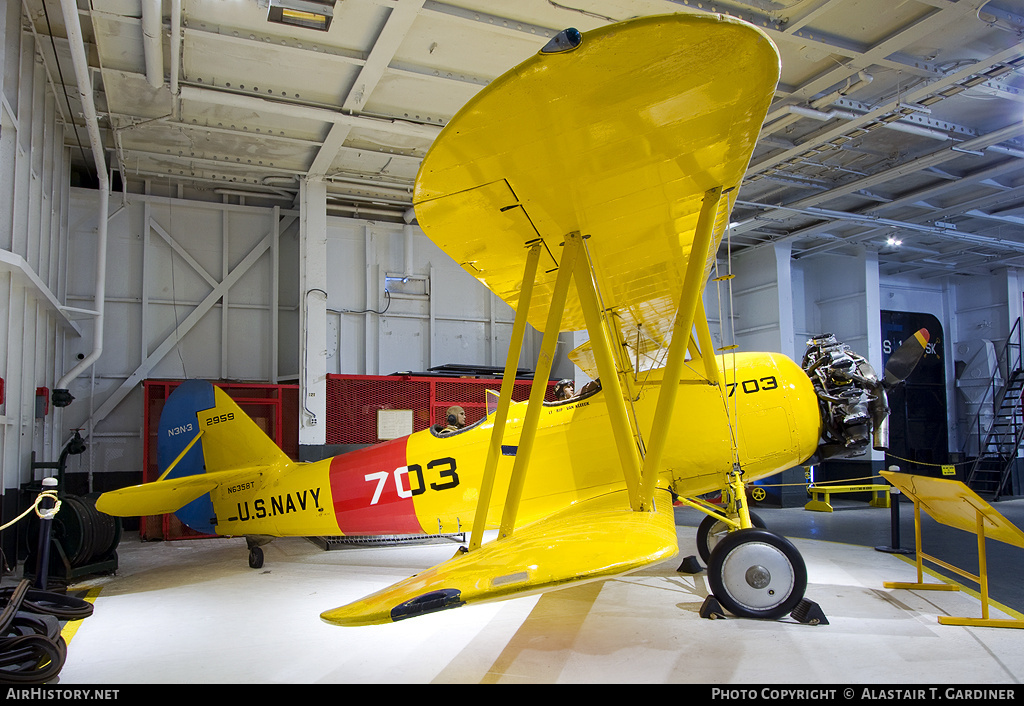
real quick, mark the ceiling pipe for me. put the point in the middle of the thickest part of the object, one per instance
(304, 112)
(175, 44)
(403, 188)
(61, 394)
(899, 126)
(361, 210)
(864, 79)
(1001, 19)
(152, 41)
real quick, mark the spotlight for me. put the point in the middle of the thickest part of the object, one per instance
(311, 14)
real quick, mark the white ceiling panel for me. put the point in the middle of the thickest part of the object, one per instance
(902, 118)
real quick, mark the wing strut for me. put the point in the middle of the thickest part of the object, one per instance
(606, 368)
(689, 299)
(570, 251)
(505, 395)
(707, 347)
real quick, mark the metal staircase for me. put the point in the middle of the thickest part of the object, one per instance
(998, 447)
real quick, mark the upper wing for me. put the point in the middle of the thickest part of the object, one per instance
(593, 539)
(617, 139)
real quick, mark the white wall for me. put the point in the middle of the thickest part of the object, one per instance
(762, 300)
(440, 315)
(210, 290)
(34, 168)
(834, 301)
(189, 294)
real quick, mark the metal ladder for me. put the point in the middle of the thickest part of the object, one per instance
(989, 475)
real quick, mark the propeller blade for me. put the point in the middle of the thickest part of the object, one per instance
(905, 358)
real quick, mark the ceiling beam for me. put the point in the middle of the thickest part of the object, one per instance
(395, 30)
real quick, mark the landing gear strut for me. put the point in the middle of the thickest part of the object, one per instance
(752, 572)
(711, 530)
(255, 545)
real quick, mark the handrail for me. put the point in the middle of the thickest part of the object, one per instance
(991, 394)
(1008, 364)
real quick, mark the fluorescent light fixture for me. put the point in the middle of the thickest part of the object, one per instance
(311, 14)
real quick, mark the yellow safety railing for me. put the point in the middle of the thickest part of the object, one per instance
(820, 495)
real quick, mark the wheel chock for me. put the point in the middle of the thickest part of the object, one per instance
(809, 612)
(690, 565)
(711, 609)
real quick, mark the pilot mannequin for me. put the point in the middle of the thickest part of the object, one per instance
(565, 389)
(455, 418)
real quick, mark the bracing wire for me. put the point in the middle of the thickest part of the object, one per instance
(64, 87)
(174, 294)
(613, 336)
(731, 413)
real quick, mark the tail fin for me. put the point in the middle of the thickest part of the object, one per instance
(232, 440)
(202, 432)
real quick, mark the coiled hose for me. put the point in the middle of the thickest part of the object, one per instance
(32, 649)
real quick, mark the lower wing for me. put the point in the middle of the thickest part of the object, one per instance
(591, 540)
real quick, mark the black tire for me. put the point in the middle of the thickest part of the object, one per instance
(108, 533)
(73, 526)
(256, 558)
(755, 573)
(711, 530)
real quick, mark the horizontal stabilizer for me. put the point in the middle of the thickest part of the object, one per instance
(590, 540)
(167, 496)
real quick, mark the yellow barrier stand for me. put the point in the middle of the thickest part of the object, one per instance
(952, 503)
(880, 499)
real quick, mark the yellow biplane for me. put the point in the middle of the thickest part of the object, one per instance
(589, 187)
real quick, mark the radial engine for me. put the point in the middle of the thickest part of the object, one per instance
(852, 399)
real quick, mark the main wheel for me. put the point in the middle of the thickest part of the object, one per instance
(711, 530)
(256, 558)
(755, 573)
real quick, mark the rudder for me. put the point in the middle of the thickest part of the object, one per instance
(211, 433)
(178, 429)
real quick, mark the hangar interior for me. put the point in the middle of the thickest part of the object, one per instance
(200, 190)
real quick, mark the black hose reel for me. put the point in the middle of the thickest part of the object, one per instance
(82, 541)
(70, 531)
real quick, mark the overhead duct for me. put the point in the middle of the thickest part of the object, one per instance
(152, 41)
(61, 394)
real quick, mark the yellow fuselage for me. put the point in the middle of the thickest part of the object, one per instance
(766, 420)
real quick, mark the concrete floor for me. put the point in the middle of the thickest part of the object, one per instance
(194, 612)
